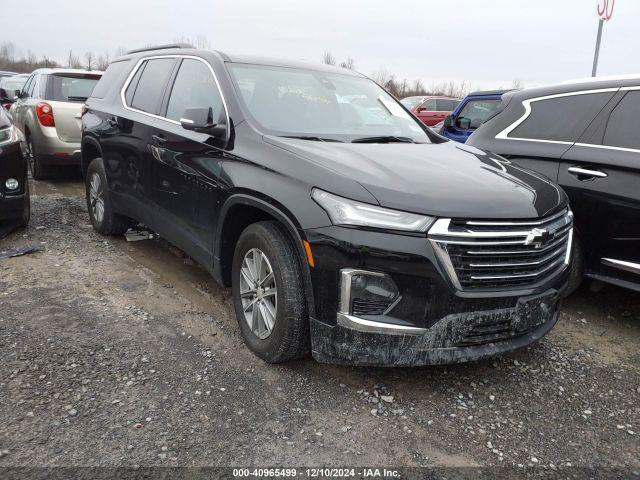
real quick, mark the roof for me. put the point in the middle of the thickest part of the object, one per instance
(183, 49)
(489, 92)
(50, 71)
(597, 83)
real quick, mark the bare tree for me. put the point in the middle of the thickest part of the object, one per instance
(103, 61)
(89, 58)
(120, 51)
(328, 58)
(517, 84)
(73, 61)
(350, 64)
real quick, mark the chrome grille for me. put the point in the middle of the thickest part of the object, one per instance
(500, 254)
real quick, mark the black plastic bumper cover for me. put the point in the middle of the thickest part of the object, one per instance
(447, 341)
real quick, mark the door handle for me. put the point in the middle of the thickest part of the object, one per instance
(586, 172)
(159, 139)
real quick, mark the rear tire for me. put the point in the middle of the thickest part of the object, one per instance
(38, 171)
(104, 220)
(285, 336)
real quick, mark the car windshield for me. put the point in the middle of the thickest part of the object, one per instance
(13, 83)
(322, 105)
(411, 102)
(477, 111)
(71, 88)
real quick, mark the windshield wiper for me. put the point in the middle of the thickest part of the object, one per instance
(315, 139)
(384, 139)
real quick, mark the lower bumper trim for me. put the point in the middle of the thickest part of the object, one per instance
(369, 326)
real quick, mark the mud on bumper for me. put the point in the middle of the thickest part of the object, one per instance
(456, 338)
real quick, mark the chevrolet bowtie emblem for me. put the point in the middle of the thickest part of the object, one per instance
(538, 237)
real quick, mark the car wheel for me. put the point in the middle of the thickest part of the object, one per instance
(576, 275)
(268, 293)
(26, 211)
(101, 214)
(38, 171)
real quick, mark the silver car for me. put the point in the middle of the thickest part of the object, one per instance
(48, 113)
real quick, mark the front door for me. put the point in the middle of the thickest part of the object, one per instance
(184, 188)
(603, 181)
(427, 112)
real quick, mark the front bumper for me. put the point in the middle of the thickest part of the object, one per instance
(12, 165)
(432, 323)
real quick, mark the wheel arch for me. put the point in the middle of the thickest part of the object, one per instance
(90, 149)
(241, 210)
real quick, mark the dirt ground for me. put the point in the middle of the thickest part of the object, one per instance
(117, 353)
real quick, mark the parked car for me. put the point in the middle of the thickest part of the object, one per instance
(367, 239)
(15, 204)
(4, 73)
(430, 109)
(583, 135)
(470, 113)
(10, 88)
(47, 112)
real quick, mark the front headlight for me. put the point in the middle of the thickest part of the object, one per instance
(8, 135)
(343, 211)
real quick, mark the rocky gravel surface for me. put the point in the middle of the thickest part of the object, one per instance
(128, 354)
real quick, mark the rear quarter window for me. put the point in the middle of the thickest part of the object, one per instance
(150, 88)
(111, 78)
(561, 119)
(622, 127)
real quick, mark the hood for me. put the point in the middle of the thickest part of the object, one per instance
(442, 179)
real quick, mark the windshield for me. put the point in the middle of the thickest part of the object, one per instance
(71, 88)
(321, 105)
(478, 111)
(411, 102)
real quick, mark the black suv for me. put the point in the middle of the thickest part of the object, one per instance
(15, 205)
(583, 135)
(343, 224)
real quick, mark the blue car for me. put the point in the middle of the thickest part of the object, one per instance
(470, 113)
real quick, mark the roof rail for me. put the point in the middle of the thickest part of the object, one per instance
(160, 47)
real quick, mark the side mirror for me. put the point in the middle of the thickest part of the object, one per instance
(201, 120)
(448, 121)
(475, 123)
(464, 123)
(421, 109)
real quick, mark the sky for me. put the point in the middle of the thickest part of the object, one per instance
(487, 43)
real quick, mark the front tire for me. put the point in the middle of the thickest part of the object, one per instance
(104, 220)
(26, 211)
(268, 293)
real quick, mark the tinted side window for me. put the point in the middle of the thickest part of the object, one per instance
(148, 94)
(430, 105)
(131, 88)
(112, 76)
(446, 105)
(194, 87)
(622, 128)
(32, 86)
(26, 87)
(562, 118)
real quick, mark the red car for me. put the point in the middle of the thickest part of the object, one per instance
(431, 109)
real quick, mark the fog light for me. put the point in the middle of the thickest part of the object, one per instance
(366, 293)
(12, 184)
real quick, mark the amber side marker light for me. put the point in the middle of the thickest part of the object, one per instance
(307, 248)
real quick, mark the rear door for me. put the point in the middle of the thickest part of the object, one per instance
(601, 174)
(66, 93)
(183, 188)
(427, 112)
(126, 143)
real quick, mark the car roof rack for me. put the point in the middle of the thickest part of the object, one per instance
(160, 47)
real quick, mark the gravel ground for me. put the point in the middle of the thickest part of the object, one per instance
(128, 354)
